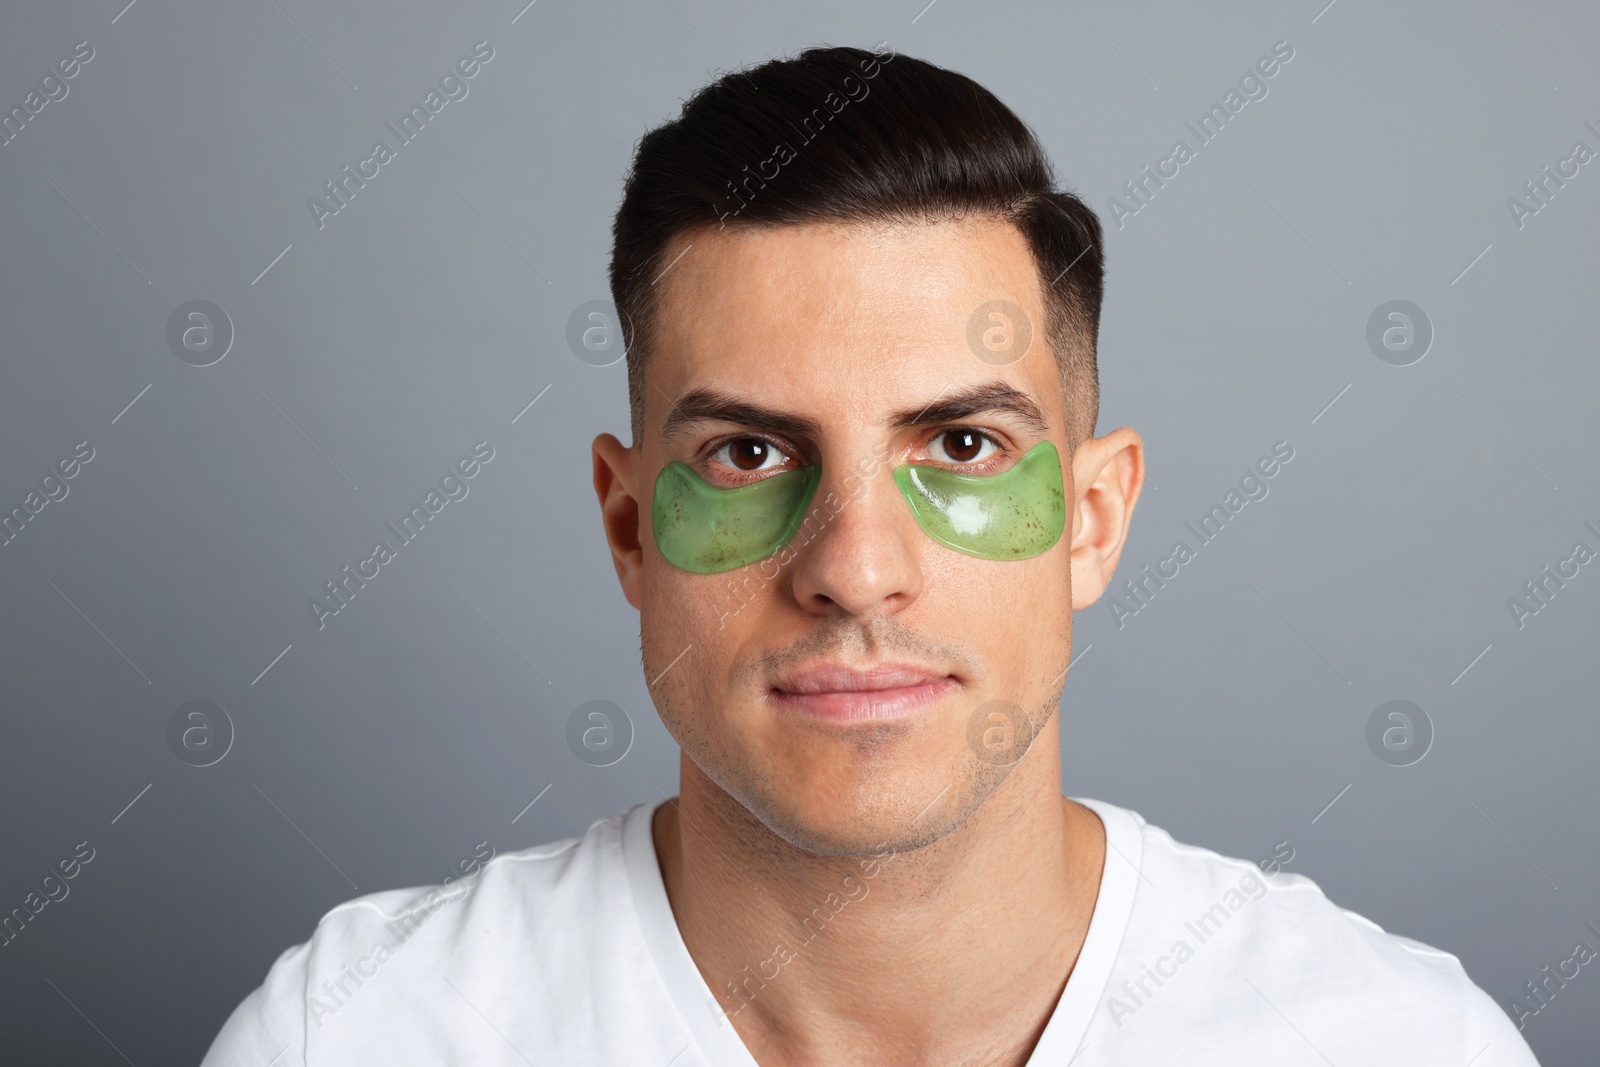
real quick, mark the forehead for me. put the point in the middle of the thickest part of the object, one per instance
(844, 319)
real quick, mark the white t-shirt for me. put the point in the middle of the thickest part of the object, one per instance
(569, 954)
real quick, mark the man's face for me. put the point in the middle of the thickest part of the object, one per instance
(832, 689)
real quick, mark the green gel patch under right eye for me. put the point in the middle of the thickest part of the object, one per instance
(1015, 514)
(701, 528)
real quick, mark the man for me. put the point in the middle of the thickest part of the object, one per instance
(863, 499)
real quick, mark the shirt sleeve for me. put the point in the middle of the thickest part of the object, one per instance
(268, 1028)
(1496, 1042)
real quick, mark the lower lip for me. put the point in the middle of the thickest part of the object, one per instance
(865, 705)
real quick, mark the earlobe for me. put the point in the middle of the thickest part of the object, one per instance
(1107, 476)
(616, 484)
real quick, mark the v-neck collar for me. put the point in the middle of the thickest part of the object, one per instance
(1063, 1034)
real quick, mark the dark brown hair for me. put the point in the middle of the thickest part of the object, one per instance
(847, 135)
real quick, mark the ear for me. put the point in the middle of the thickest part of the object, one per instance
(1107, 476)
(616, 469)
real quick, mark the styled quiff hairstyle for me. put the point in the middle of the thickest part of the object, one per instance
(847, 135)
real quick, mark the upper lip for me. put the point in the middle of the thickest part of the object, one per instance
(841, 678)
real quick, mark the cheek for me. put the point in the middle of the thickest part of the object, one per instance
(689, 624)
(1012, 596)
(674, 603)
(700, 634)
(1016, 616)
(676, 599)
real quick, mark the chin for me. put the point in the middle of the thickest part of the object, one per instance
(829, 807)
(845, 830)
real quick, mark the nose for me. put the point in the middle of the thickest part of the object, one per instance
(858, 549)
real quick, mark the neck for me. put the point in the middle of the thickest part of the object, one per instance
(955, 952)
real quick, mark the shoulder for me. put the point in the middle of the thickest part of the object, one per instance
(376, 961)
(1215, 937)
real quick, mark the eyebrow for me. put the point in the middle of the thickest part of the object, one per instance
(710, 405)
(995, 397)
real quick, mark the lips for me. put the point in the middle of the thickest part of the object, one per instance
(847, 694)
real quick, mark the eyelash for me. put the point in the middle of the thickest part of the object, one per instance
(999, 457)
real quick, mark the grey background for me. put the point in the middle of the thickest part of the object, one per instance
(426, 315)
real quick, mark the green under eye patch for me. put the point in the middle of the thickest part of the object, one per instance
(704, 529)
(1012, 515)
(1015, 514)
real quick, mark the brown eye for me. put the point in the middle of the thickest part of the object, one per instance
(963, 445)
(748, 454)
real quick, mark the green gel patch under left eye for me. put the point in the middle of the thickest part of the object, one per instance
(701, 528)
(1015, 514)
